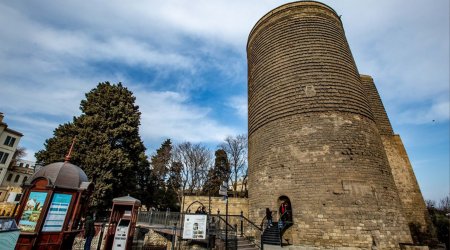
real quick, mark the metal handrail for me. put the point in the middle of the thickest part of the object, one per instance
(251, 222)
(222, 219)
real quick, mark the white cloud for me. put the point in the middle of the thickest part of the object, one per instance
(438, 112)
(169, 115)
(239, 103)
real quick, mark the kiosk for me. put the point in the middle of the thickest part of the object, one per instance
(122, 223)
(9, 233)
(51, 207)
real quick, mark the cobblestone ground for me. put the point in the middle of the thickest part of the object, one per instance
(79, 241)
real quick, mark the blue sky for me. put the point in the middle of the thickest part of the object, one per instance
(185, 61)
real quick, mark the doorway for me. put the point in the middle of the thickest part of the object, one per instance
(285, 210)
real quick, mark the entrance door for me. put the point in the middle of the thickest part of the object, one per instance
(285, 210)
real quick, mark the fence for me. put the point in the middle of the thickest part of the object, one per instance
(219, 232)
(238, 225)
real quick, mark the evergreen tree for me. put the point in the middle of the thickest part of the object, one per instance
(160, 165)
(173, 190)
(218, 174)
(57, 147)
(108, 145)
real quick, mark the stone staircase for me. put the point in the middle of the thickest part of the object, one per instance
(245, 244)
(271, 235)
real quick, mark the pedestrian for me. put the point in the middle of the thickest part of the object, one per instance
(89, 232)
(283, 211)
(269, 217)
(204, 210)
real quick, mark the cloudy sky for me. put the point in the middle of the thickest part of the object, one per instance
(185, 61)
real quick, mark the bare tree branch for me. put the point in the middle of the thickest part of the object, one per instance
(236, 149)
(195, 160)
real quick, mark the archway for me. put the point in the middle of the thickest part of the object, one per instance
(188, 208)
(285, 209)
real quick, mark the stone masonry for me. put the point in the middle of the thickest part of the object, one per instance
(319, 135)
(414, 206)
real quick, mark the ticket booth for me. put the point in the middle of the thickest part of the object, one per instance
(51, 206)
(122, 223)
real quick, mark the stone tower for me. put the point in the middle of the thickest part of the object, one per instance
(314, 139)
(414, 207)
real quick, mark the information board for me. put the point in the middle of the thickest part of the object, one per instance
(57, 213)
(194, 226)
(32, 211)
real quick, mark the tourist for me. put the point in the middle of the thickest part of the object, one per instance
(283, 211)
(269, 217)
(89, 232)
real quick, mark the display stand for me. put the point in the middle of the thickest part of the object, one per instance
(51, 207)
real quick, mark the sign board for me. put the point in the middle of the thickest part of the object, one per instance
(57, 213)
(32, 211)
(223, 189)
(222, 192)
(194, 226)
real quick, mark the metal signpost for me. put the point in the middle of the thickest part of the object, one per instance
(223, 190)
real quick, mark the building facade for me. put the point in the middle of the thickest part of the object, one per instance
(9, 140)
(319, 138)
(11, 188)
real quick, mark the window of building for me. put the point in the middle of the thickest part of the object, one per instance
(9, 177)
(25, 179)
(21, 165)
(10, 141)
(17, 178)
(3, 157)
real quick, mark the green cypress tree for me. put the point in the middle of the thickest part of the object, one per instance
(108, 146)
(218, 174)
(160, 166)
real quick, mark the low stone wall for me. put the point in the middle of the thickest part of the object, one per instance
(235, 205)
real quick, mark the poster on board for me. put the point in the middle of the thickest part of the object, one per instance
(57, 213)
(32, 211)
(194, 226)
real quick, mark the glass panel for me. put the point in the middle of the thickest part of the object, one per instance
(32, 211)
(57, 213)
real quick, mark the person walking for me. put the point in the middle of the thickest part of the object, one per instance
(89, 232)
(269, 217)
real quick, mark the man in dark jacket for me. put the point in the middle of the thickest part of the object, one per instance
(89, 232)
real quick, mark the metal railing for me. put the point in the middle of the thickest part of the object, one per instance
(159, 218)
(238, 225)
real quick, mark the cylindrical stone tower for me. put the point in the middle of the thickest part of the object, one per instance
(312, 135)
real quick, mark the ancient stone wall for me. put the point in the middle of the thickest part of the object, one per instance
(376, 105)
(235, 205)
(414, 207)
(313, 137)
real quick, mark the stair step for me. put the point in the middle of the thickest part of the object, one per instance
(244, 244)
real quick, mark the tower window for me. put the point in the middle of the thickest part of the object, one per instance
(9, 177)
(17, 178)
